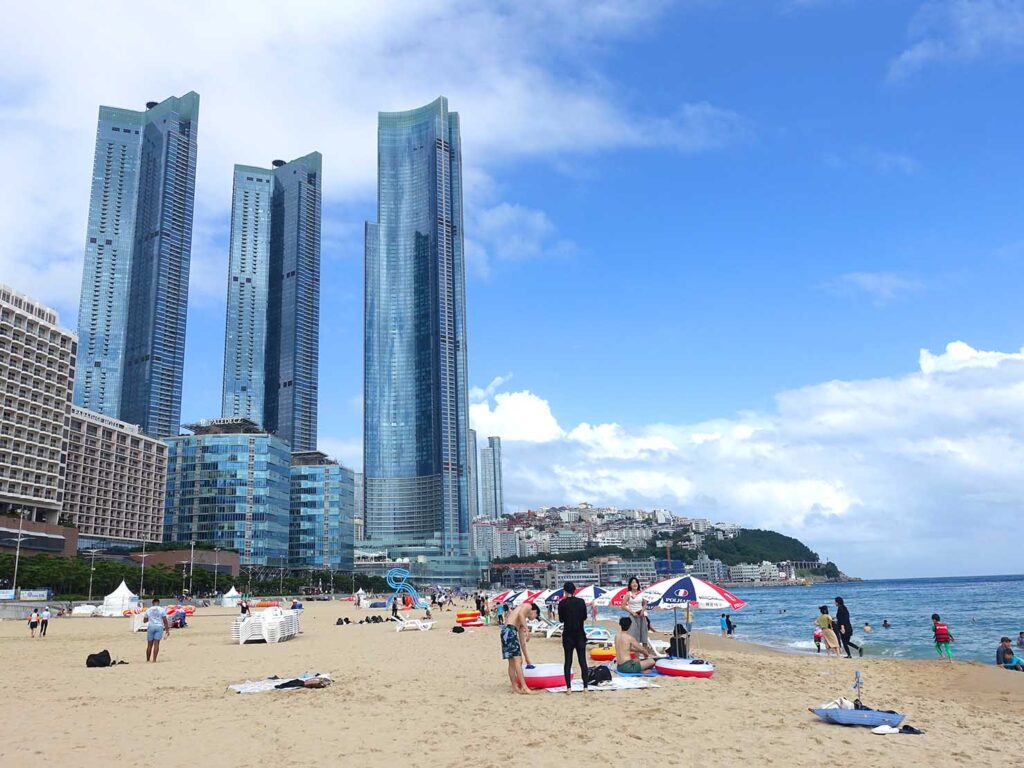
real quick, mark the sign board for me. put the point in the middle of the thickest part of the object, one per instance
(34, 594)
(6, 594)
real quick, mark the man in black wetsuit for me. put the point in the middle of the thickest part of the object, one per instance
(845, 628)
(572, 612)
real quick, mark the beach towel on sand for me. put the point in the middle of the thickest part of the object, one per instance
(305, 680)
(617, 684)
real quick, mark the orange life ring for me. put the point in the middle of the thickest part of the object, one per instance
(602, 654)
(467, 615)
(126, 613)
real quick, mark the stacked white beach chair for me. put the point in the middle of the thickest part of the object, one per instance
(273, 625)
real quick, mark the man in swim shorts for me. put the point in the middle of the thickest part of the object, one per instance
(625, 644)
(514, 636)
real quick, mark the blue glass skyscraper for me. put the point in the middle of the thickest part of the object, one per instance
(322, 510)
(228, 484)
(272, 331)
(415, 393)
(132, 314)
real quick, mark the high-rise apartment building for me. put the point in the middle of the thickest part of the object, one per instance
(37, 371)
(416, 407)
(492, 497)
(115, 481)
(229, 485)
(322, 506)
(134, 301)
(472, 481)
(272, 331)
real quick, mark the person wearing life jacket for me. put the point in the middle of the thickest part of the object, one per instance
(943, 637)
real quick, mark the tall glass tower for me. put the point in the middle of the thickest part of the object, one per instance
(492, 496)
(131, 319)
(416, 408)
(272, 331)
(472, 477)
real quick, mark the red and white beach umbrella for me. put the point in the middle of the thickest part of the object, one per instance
(502, 596)
(614, 598)
(680, 591)
(526, 596)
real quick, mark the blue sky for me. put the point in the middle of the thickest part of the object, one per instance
(708, 241)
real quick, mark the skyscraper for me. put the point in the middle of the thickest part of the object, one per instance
(272, 330)
(492, 497)
(322, 513)
(416, 408)
(471, 477)
(131, 319)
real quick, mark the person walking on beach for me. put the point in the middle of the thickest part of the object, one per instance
(636, 607)
(44, 621)
(33, 621)
(846, 628)
(514, 637)
(724, 625)
(572, 612)
(730, 628)
(943, 637)
(394, 609)
(824, 622)
(156, 618)
(499, 611)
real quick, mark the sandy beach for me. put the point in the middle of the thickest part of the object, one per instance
(437, 698)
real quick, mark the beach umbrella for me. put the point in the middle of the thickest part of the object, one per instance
(612, 598)
(689, 592)
(501, 597)
(526, 596)
(591, 594)
(542, 597)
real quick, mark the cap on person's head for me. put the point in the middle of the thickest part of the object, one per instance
(1004, 640)
(625, 622)
(569, 588)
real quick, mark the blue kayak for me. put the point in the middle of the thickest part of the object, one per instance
(870, 718)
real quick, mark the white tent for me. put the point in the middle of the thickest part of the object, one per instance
(231, 598)
(120, 600)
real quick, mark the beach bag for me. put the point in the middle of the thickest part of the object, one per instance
(458, 630)
(101, 659)
(599, 675)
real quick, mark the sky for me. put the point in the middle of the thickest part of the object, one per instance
(757, 260)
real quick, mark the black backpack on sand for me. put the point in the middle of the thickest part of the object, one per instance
(599, 675)
(101, 659)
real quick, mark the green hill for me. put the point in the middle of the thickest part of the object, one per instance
(755, 545)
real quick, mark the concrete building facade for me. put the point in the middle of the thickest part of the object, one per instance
(37, 372)
(116, 479)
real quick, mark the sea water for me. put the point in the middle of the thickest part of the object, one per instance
(978, 610)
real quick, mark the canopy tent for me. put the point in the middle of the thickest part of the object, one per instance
(120, 600)
(231, 598)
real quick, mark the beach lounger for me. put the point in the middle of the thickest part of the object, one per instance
(545, 627)
(403, 624)
(597, 634)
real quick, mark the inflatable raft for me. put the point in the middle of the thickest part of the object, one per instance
(685, 668)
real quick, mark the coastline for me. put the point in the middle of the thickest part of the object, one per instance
(437, 698)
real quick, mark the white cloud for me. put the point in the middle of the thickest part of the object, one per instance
(275, 82)
(961, 30)
(510, 232)
(959, 355)
(478, 394)
(518, 416)
(883, 287)
(878, 160)
(874, 473)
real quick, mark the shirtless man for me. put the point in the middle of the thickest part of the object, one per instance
(514, 636)
(625, 644)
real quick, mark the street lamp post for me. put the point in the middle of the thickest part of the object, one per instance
(183, 563)
(142, 575)
(216, 567)
(280, 586)
(92, 568)
(17, 551)
(191, 566)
